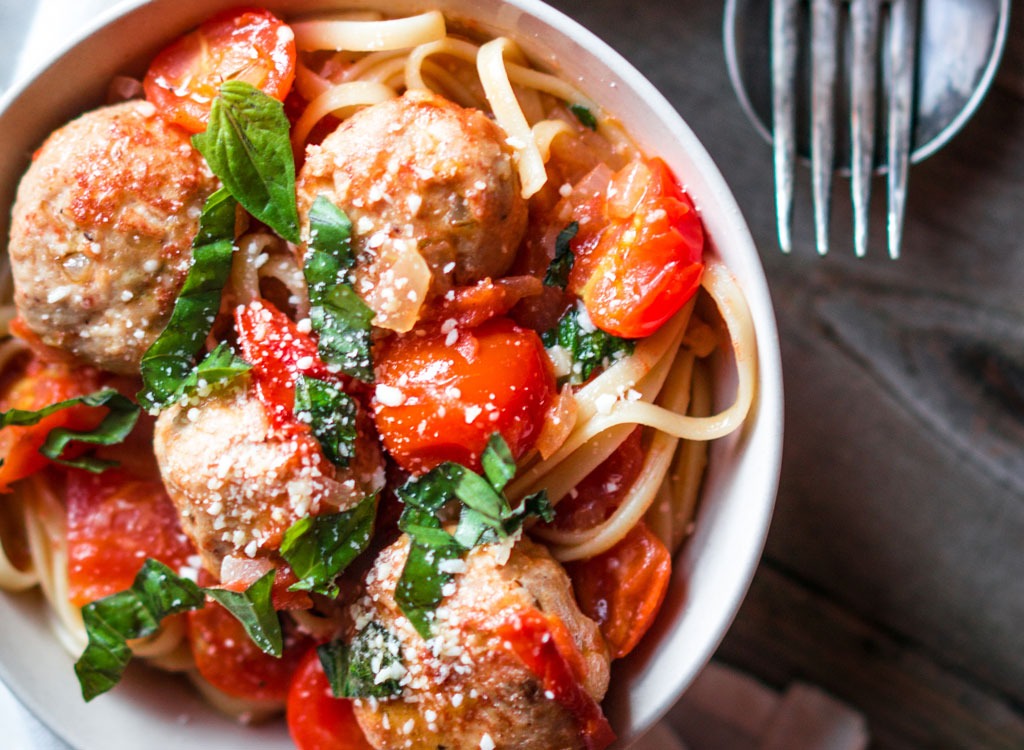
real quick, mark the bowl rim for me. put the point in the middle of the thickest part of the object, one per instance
(767, 409)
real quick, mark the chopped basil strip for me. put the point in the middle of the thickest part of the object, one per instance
(158, 592)
(331, 413)
(320, 548)
(369, 667)
(584, 115)
(135, 613)
(169, 361)
(112, 430)
(484, 516)
(247, 145)
(589, 346)
(337, 313)
(218, 366)
(254, 608)
(558, 272)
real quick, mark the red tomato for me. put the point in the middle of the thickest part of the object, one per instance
(115, 522)
(278, 352)
(316, 719)
(601, 492)
(228, 659)
(623, 588)
(43, 383)
(546, 647)
(440, 396)
(240, 44)
(638, 252)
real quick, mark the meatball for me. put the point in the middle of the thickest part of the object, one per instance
(101, 233)
(462, 685)
(433, 195)
(239, 482)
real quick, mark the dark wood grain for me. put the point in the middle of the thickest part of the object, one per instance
(894, 570)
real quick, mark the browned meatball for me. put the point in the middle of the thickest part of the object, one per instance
(239, 483)
(463, 687)
(101, 232)
(433, 195)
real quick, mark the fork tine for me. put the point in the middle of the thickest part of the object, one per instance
(864, 19)
(902, 51)
(824, 25)
(784, 45)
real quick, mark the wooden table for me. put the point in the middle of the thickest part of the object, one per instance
(894, 570)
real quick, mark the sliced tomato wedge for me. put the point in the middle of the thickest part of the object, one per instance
(440, 396)
(115, 522)
(316, 719)
(623, 588)
(638, 250)
(239, 44)
(228, 659)
(43, 383)
(546, 647)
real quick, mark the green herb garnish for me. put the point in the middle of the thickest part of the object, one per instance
(337, 313)
(589, 346)
(157, 592)
(558, 272)
(584, 115)
(331, 413)
(484, 516)
(114, 428)
(247, 145)
(369, 667)
(320, 548)
(167, 365)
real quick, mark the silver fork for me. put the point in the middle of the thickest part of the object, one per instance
(866, 19)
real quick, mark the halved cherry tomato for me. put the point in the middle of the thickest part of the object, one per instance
(440, 396)
(239, 44)
(228, 659)
(623, 588)
(601, 492)
(546, 647)
(278, 352)
(115, 522)
(316, 719)
(41, 384)
(638, 251)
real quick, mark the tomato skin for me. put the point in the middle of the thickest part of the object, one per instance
(634, 272)
(546, 647)
(228, 659)
(248, 44)
(43, 383)
(316, 719)
(278, 352)
(602, 491)
(440, 400)
(623, 589)
(115, 522)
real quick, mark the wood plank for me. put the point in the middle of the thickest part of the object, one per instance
(788, 632)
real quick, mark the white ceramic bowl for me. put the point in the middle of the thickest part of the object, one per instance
(712, 571)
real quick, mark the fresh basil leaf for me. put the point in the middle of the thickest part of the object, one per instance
(320, 548)
(254, 608)
(219, 366)
(561, 266)
(135, 613)
(170, 359)
(331, 413)
(343, 321)
(114, 428)
(422, 584)
(584, 115)
(498, 462)
(590, 347)
(247, 145)
(370, 667)
(330, 232)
